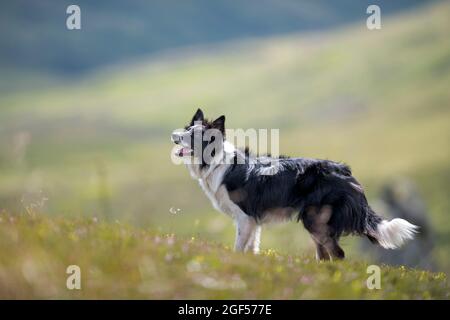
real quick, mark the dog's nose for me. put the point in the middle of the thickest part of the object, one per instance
(176, 138)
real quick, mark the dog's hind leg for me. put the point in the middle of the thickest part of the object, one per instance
(334, 249)
(321, 252)
(316, 222)
(317, 230)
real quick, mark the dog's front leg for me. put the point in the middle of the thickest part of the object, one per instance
(254, 240)
(246, 229)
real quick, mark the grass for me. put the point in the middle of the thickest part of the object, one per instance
(118, 261)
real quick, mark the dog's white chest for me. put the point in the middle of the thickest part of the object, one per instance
(218, 197)
(210, 181)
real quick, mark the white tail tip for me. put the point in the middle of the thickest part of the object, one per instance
(393, 234)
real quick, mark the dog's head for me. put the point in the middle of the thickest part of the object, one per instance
(200, 139)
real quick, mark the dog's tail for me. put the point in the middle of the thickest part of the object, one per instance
(388, 234)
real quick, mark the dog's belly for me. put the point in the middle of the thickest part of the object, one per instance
(278, 215)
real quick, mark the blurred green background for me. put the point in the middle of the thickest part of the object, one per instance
(86, 115)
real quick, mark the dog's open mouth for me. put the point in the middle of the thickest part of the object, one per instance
(184, 152)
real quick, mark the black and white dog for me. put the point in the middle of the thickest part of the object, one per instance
(322, 194)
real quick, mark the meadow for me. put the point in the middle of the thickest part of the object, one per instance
(98, 147)
(121, 261)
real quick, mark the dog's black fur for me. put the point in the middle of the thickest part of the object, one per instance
(302, 183)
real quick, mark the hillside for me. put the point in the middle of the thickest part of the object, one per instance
(121, 262)
(33, 35)
(99, 146)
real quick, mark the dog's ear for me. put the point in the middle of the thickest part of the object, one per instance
(198, 116)
(219, 124)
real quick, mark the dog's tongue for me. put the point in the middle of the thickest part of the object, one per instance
(183, 151)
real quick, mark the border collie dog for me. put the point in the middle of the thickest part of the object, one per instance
(323, 194)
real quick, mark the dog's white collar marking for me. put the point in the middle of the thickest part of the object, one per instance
(211, 179)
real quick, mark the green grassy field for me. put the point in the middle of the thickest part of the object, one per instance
(99, 146)
(122, 262)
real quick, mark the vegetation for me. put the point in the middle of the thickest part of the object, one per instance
(119, 261)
